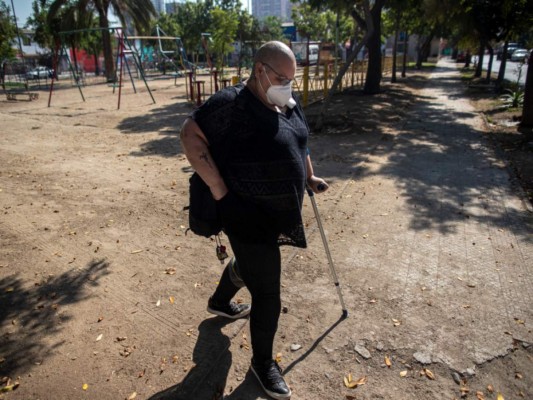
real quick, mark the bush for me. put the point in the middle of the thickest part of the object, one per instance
(513, 98)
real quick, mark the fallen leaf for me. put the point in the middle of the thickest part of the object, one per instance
(480, 395)
(347, 380)
(175, 359)
(403, 374)
(429, 374)
(171, 299)
(132, 396)
(100, 319)
(519, 321)
(9, 387)
(396, 322)
(99, 337)
(490, 388)
(170, 271)
(500, 397)
(158, 303)
(85, 386)
(278, 357)
(518, 375)
(387, 361)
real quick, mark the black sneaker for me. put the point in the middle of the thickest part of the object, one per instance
(232, 310)
(269, 376)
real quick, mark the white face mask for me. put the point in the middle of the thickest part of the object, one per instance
(280, 95)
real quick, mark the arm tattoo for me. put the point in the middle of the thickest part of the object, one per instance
(204, 157)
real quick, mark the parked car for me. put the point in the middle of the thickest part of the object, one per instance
(39, 73)
(511, 47)
(520, 55)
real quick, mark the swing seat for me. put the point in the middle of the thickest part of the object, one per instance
(14, 95)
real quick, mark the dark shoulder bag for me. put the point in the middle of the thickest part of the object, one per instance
(203, 216)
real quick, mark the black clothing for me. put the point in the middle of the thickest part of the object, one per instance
(261, 155)
(259, 266)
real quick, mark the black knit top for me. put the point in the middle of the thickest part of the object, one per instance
(261, 155)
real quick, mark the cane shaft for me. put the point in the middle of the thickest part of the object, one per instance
(326, 248)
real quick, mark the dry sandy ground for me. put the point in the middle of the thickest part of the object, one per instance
(103, 293)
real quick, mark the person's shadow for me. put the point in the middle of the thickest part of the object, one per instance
(207, 379)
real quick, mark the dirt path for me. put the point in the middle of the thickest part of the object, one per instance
(99, 284)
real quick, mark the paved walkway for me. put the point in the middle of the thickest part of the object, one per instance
(441, 235)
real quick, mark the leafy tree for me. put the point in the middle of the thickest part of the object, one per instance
(194, 18)
(225, 24)
(369, 32)
(309, 22)
(7, 33)
(42, 27)
(271, 29)
(249, 36)
(140, 12)
(168, 23)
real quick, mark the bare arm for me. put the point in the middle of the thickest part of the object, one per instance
(196, 149)
(318, 185)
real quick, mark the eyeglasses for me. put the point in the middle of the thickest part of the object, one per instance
(282, 79)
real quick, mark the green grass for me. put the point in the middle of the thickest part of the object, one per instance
(14, 85)
(425, 65)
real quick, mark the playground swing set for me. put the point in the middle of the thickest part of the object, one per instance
(124, 47)
(146, 55)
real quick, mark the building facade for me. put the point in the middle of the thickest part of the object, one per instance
(276, 8)
(159, 6)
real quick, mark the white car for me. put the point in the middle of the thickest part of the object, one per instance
(520, 55)
(40, 73)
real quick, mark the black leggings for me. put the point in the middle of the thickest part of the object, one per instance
(259, 266)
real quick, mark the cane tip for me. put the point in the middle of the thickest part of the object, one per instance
(344, 314)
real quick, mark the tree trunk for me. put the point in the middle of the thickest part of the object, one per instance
(479, 66)
(468, 58)
(96, 63)
(491, 58)
(373, 72)
(106, 43)
(527, 110)
(405, 51)
(503, 64)
(423, 51)
(395, 49)
(369, 31)
(75, 59)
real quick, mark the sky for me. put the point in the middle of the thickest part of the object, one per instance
(23, 9)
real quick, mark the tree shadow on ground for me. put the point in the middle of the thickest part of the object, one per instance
(445, 169)
(32, 315)
(167, 121)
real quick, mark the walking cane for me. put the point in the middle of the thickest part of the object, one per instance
(326, 248)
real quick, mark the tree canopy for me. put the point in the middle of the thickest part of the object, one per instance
(7, 32)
